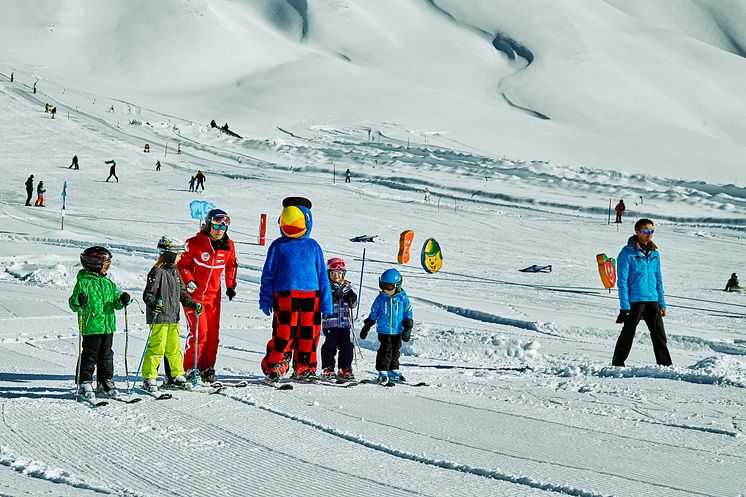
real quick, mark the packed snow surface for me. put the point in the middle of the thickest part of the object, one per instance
(524, 120)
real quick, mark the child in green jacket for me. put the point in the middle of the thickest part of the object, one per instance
(95, 298)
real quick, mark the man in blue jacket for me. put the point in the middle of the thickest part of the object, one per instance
(296, 288)
(640, 286)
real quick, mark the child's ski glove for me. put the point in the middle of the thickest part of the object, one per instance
(230, 292)
(125, 299)
(82, 299)
(191, 287)
(368, 323)
(407, 324)
(198, 308)
(623, 316)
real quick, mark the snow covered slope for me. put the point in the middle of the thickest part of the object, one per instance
(521, 399)
(578, 83)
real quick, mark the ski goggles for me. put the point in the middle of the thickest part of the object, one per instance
(221, 219)
(648, 232)
(387, 286)
(219, 227)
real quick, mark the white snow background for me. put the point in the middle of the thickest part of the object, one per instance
(522, 118)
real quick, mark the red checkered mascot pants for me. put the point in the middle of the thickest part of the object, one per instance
(296, 327)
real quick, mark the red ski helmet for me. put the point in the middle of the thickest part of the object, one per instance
(335, 264)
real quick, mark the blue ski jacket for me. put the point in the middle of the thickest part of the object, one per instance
(295, 264)
(389, 312)
(639, 276)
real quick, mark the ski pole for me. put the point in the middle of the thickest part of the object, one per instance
(126, 346)
(196, 347)
(354, 337)
(360, 291)
(80, 354)
(142, 358)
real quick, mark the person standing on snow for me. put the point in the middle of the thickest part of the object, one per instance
(163, 292)
(95, 298)
(29, 189)
(620, 208)
(191, 184)
(640, 286)
(112, 170)
(295, 287)
(74, 164)
(337, 325)
(158, 165)
(207, 255)
(40, 190)
(200, 178)
(732, 284)
(391, 312)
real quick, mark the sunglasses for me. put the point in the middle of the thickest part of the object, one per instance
(337, 272)
(219, 227)
(648, 232)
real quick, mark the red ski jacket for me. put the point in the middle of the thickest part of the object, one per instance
(203, 265)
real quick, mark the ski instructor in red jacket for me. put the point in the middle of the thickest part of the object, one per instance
(207, 255)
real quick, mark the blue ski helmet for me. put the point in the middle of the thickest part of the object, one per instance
(390, 278)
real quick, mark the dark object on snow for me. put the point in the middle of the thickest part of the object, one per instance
(732, 284)
(537, 269)
(620, 208)
(74, 164)
(213, 124)
(29, 189)
(363, 238)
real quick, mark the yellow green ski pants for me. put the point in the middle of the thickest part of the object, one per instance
(164, 340)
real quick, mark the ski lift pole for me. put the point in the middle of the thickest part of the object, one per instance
(360, 291)
(609, 220)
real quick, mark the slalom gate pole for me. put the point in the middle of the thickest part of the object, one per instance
(142, 358)
(609, 221)
(360, 291)
(126, 346)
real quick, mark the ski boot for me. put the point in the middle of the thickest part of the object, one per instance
(346, 374)
(208, 375)
(396, 376)
(306, 376)
(178, 381)
(383, 377)
(327, 374)
(107, 388)
(150, 384)
(189, 375)
(272, 377)
(86, 390)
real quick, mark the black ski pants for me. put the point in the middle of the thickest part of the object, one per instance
(651, 313)
(29, 194)
(337, 339)
(97, 354)
(387, 357)
(112, 173)
(200, 183)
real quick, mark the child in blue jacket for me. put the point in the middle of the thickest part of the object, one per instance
(392, 314)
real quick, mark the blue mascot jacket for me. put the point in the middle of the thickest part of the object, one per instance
(295, 264)
(639, 276)
(389, 312)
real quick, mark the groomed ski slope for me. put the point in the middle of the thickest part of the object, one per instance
(523, 119)
(521, 399)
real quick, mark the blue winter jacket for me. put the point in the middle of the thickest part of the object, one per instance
(639, 276)
(389, 312)
(295, 264)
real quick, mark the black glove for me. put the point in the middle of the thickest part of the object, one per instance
(82, 299)
(622, 317)
(337, 293)
(230, 292)
(125, 299)
(367, 324)
(407, 324)
(351, 298)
